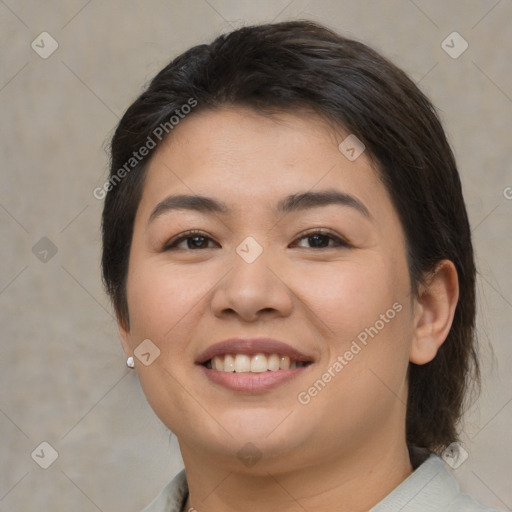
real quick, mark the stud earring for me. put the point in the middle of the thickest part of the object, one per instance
(130, 362)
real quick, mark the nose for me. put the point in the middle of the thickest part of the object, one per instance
(253, 291)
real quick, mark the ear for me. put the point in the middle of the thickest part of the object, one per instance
(124, 335)
(434, 311)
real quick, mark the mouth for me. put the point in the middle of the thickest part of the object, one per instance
(258, 363)
(252, 365)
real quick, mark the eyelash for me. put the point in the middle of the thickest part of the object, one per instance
(340, 242)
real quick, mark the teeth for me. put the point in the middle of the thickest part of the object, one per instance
(218, 363)
(258, 363)
(242, 363)
(229, 363)
(273, 362)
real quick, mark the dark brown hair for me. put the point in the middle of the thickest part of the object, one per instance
(299, 64)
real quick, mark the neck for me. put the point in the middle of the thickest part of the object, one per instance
(354, 482)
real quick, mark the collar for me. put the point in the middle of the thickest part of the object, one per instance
(429, 487)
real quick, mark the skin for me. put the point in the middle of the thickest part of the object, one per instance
(345, 450)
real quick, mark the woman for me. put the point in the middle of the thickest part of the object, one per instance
(288, 253)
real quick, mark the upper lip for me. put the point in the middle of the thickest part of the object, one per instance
(252, 346)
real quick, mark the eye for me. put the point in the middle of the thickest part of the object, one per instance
(196, 240)
(191, 240)
(320, 239)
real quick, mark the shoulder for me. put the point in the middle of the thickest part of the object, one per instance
(171, 497)
(430, 487)
(466, 503)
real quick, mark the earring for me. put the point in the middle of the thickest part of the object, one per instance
(130, 362)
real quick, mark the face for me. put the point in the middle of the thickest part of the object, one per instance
(286, 248)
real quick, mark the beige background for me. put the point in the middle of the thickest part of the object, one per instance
(63, 374)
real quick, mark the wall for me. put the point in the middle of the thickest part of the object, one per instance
(63, 374)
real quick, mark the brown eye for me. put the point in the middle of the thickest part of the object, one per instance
(190, 241)
(320, 240)
(197, 242)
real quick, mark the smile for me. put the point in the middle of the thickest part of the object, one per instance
(252, 366)
(257, 363)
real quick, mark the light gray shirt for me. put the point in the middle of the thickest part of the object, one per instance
(430, 488)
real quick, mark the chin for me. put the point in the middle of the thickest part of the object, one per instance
(269, 435)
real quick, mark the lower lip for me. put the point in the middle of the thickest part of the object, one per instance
(252, 382)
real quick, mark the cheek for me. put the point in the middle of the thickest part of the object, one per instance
(366, 307)
(163, 306)
(365, 379)
(160, 299)
(349, 296)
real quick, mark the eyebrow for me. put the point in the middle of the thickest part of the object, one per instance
(291, 203)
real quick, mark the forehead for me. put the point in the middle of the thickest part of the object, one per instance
(246, 159)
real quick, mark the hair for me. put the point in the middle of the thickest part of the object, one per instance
(285, 67)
